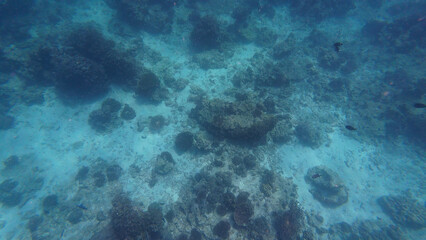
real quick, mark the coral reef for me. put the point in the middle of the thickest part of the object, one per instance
(148, 86)
(184, 141)
(84, 65)
(128, 113)
(11, 161)
(9, 196)
(7, 65)
(90, 43)
(75, 216)
(50, 202)
(211, 199)
(403, 35)
(283, 131)
(288, 224)
(244, 209)
(130, 222)
(328, 188)
(99, 179)
(404, 211)
(308, 135)
(320, 10)
(6, 122)
(210, 59)
(221, 229)
(10, 8)
(156, 123)
(72, 75)
(127, 221)
(334, 61)
(267, 183)
(244, 120)
(151, 16)
(284, 48)
(113, 172)
(164, 164)
(265, 73)
(106, 118)
(241, 164)
(368, 229)
(34, 222)
(206, 34)
(82, 174)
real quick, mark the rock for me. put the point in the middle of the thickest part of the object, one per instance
(404, 211)
(328, 188)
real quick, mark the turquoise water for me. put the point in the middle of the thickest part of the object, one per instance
(202, 119)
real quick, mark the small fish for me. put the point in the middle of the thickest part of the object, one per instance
(349, 127)
(81, 206)
(337, 46)
(419, 105)
(316, 175)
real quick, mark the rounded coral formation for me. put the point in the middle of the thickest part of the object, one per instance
(244, 210)
(127, 222)
(157, 122)
(222, 229)
(206, 34)
(184, 141)
(164, 164)
(328, 188)
(147, 84)
(288, 223)
(106, 118)
(244, 120)
(127, 113)
(9, 196)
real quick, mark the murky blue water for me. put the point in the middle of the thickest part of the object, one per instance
(202, 119)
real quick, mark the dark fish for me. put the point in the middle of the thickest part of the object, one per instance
(337, 46)
(419, 105)
(349, 127)
(316, 175)
(81, 206)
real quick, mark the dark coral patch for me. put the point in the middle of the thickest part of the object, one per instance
(184, 141)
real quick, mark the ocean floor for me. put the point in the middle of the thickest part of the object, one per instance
(68, 172)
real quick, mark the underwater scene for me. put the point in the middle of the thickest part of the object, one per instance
(212, 119)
